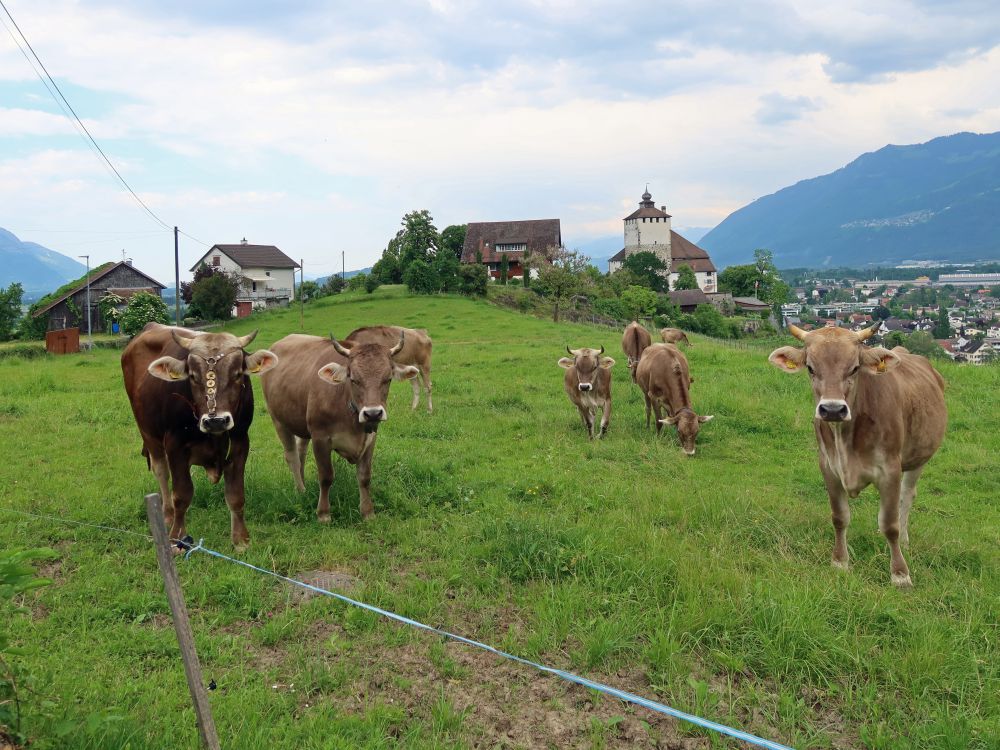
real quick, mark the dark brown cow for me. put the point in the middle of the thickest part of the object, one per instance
(665, 381)
(193, 403)
(416, 351)
(588, 384)
(880, 416)
(673, 336)
(334, 395)
(635, 339)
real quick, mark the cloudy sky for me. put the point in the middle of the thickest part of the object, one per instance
(316, 125)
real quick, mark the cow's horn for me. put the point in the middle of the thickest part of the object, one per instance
(340, 349)
(602, 351)
(572, 352)
(796, 332)
(868, 332)
(398, 347)
(182, 340)
(245, 340)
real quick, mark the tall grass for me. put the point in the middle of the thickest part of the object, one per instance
(702, 581)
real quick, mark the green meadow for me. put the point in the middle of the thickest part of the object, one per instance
(701, 582)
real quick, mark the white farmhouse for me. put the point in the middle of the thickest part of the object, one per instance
(268, 274)
(648, 230)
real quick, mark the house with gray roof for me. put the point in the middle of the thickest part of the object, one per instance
(268, 274)
(487, 242)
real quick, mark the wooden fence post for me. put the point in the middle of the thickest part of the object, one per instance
(171, 584)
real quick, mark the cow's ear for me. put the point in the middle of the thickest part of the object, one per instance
(333, 373)
(260, 362)
(878, 360)
(607, 363)
(706, 418)
(669, 420)
(169, 369)
(788, 358)
(404, 373)
(566, 363)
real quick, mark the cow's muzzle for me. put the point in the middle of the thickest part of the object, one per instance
(585, 387)
(216, 424)
(372, 414)
(833, 410)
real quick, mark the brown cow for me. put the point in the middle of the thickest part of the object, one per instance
(334, 395)
(635, 339)
(416, 351)
(663, 376)
(880, 416)
(588, 384)
(673, 336)
(193, 403)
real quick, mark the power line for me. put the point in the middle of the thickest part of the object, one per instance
(75, 116)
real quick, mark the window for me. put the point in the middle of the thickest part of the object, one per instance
(511, 247)
(216, 260)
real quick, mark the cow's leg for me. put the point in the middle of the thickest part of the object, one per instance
(889, 523)
(605, 418)
(183, 490)
(415, 383)
(364, 467)
(649, 408)
(907, 493)
(235, 495)
(586, 424)
(295, 462)
(588, 420)
(324, 466)
(425, 375)
(840, 511)
(301, 446)
(657, 414)
(161, 470)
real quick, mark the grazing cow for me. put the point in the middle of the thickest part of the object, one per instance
(880, 416)
(663, 376)
(635, 339)
(588, 384)
(673, 336)
(193, 403)
(416, 351)
(334, 395)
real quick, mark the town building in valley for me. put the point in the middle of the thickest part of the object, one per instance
(647, 229)
(268, 274)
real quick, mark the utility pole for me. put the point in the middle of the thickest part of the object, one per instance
(90, 338)
(343, 268)
(302, 281)
(177, 282)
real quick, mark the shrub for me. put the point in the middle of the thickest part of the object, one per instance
(473, 279)
(420, 278)
(143, 308)
(372, 283)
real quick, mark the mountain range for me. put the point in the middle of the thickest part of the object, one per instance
(938, 200)
(38, 269)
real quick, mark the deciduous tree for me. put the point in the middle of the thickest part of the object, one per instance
(649, 268)
(10, 310)
(686, 278)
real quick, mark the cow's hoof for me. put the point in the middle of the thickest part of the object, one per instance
(902, 581)
(323, 517)
(840, 564)
(241, 546)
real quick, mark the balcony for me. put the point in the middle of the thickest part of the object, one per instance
(263, 295)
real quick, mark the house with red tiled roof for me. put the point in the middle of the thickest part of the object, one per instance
(647, 229)
(487, 242)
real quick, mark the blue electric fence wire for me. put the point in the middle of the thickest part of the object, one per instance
(568, 676)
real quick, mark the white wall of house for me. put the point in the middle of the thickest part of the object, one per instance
(650, 231)
(265, 279)
(706, 280)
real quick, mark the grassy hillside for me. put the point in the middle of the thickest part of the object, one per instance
(704, 582)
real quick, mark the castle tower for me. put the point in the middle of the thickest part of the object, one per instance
(647, 229)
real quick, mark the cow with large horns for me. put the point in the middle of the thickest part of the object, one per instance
(192, 399)
(416, 351)
(587, 382)
(334, 395)
(880, 416)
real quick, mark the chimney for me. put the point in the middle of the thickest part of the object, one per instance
(663, 208)
(128, 261)
(243, 241)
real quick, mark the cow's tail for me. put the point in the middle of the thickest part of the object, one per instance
(145, 454)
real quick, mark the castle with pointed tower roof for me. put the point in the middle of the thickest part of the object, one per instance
(647, 229)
